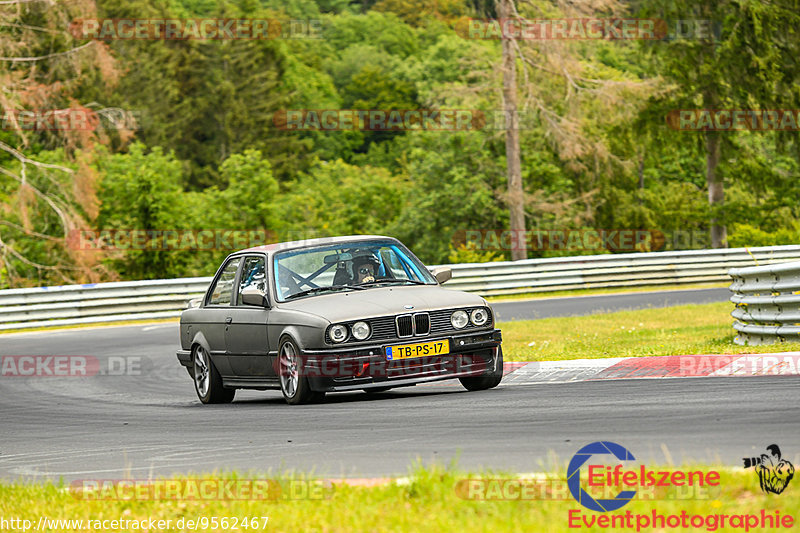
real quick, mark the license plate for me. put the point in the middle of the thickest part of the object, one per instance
(420, 349)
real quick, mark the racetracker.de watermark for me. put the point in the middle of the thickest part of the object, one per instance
(201, 489)
(734, 119)
(445, 120)
(543, 488)
(195, 28)
(70, 366)
(167, 239)
(738, 365)
(619, 240)
(379, 119)
(377, 365)
(581, 29)
(71, 119)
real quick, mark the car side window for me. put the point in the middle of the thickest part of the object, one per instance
(253, 275)
(222, 292)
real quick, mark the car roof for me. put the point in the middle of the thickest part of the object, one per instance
(310, 243)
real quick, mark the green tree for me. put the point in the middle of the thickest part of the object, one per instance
(206, 100)
(44, 193)
(748, 62)
(456, 182)
(248, 201)
(141, 191)
(335, 198)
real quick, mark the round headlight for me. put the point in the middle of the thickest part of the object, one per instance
(459, 319)
(479, 317)
(361, 330)
(338, 333)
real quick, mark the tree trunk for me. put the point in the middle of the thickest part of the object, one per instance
(516, 194)
(641, 177)
(716, 191)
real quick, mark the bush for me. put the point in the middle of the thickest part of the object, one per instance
(746, 235)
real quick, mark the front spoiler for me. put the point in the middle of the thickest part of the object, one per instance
(392, 383)
(366, 367)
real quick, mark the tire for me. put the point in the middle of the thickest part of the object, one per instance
(207, 381)
(489, 380)
(294, 386)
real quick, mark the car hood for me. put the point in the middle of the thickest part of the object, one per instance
(382, 301)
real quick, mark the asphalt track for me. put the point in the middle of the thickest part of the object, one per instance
(604, 303)
(145, 419)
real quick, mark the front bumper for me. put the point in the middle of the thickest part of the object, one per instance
(185, 358)
(364, 367)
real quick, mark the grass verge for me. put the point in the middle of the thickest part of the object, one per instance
(431, 499)
(680, 330)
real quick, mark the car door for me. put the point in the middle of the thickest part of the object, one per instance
(216, 311)
(246, 333)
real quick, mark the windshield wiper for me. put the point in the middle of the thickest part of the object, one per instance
(413, 281)
(354, 287)
(315, 290)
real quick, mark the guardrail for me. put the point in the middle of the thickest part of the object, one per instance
(156, 299)
(97, 302)
(767, 302)
(612, 270)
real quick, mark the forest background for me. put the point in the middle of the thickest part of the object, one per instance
(185, 137)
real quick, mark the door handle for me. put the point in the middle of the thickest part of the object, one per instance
(228, 320)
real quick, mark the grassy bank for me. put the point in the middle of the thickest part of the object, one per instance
(686, 329)
(431, 499)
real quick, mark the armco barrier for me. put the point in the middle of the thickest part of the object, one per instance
(612, 270)
(155, 299)
(99, 302)
(767, 302)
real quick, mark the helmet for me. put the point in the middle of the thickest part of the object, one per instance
(367, 258)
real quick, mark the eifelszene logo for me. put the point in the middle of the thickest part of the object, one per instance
(604, 479)
(600, 491)
(774, 473)
(574, 476)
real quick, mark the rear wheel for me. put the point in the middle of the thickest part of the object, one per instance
(489, 380)
(294, 386)
(207, 381)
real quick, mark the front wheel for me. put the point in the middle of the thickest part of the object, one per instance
(489, 380)
(207, 381)
(294, 386)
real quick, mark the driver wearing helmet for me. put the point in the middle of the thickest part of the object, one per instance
(365, 268)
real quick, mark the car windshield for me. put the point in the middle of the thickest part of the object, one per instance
(349, 266)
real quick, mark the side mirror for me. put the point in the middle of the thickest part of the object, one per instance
(442, 274)
(253, 296)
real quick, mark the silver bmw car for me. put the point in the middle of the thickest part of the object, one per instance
(336, 314)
